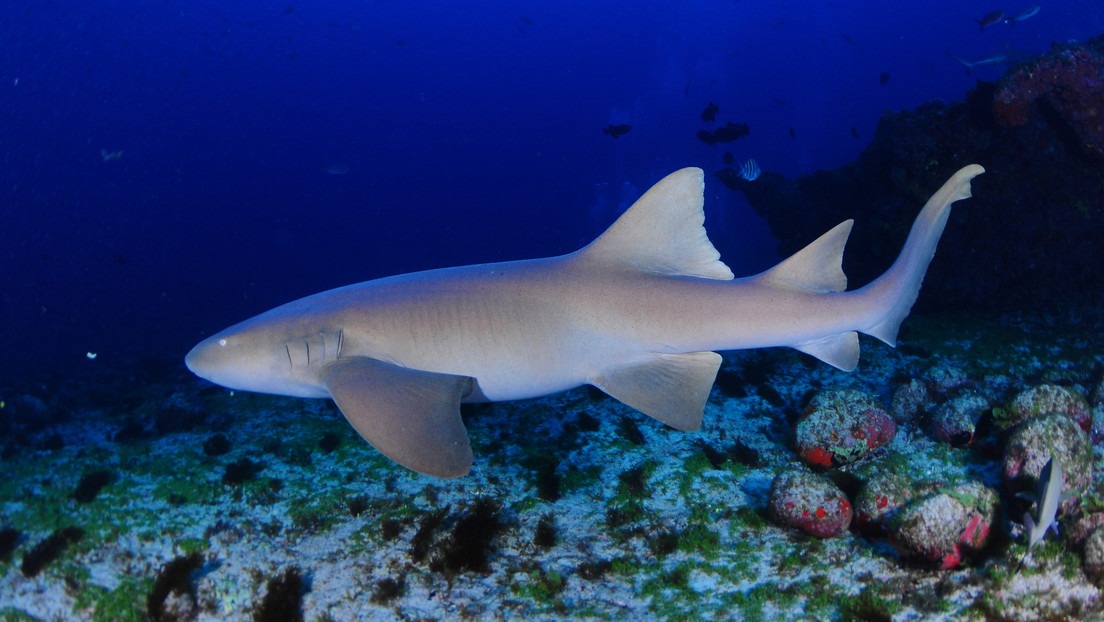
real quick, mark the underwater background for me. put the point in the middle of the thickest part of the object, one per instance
(170, 168)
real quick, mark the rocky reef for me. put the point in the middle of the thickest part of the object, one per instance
(1028, 237)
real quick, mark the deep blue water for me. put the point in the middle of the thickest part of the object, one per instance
(168, 168)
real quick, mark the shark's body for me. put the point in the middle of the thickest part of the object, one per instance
(636, 313)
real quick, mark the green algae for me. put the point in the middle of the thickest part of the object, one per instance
(125, 603)
(12, 614)
(544, 588)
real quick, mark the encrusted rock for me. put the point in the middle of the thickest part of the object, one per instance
(1096, 401)
(1034, 442)
(842, 427)
(880, 498)
(1047, 398)
(1092, 560)
(909, 400)
(1068, 82)
(1077, 531)
(955, 421)
(809, 502)
(944, 379)
(942, 528)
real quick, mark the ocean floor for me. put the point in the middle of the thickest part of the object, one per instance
(146, 493)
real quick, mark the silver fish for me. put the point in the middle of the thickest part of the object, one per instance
(996, 59)
(750, 170)
(990, 18)
(1048, 496)
(1027, 13)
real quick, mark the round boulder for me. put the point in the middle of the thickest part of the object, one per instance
(955, 421)
(1036, 441)
(940, 529)
(842, 427)
(809, 502)
(1048, 398)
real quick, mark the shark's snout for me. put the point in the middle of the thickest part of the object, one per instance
(198, 359)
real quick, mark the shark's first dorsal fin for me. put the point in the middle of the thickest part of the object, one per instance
(817, 268)
(663, 232)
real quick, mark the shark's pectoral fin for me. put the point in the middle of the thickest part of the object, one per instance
(840, 350)
(672, 388)
(410, 416)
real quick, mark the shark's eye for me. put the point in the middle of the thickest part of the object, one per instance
(222, 342)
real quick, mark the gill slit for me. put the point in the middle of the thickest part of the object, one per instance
(307, 341)
(291, 363)
(340, 342)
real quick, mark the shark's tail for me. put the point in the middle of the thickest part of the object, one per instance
(893, 294)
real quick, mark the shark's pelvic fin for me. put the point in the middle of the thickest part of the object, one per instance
(410, 416)
(672, 388)
(663, 232)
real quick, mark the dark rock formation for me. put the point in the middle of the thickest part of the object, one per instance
(1030, 236)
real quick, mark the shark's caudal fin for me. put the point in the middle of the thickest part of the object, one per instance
(817, 269)
(893, 293)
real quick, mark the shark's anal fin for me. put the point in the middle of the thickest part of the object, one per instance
(410, 416)
(840, 350)
(672, 388)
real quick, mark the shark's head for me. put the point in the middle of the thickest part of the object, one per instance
(263, 356)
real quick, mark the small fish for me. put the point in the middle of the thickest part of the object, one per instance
(1027, 13)
(884, 78)
(730, 132)
(613, 131)
(793, 133)
(1048, 496)
(337, 168)
(996, 59)
(750, 170)
(707, 137)
(110, 156)
(709, 115)
(990, 18)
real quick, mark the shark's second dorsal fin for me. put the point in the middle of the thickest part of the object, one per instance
(817, 268)
(663, 232)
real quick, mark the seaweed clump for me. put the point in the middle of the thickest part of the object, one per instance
(468, 546)
(283, 599)
(387, 590)
(49, 549)
(9, 539)
(241, 471)
(545, 535)
(216, 445)
(89, 486)
(174, 579)
(329, 442)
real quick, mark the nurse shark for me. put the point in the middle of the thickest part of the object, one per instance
(638, 313)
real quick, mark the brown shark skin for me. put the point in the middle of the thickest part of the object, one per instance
(651, 287)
